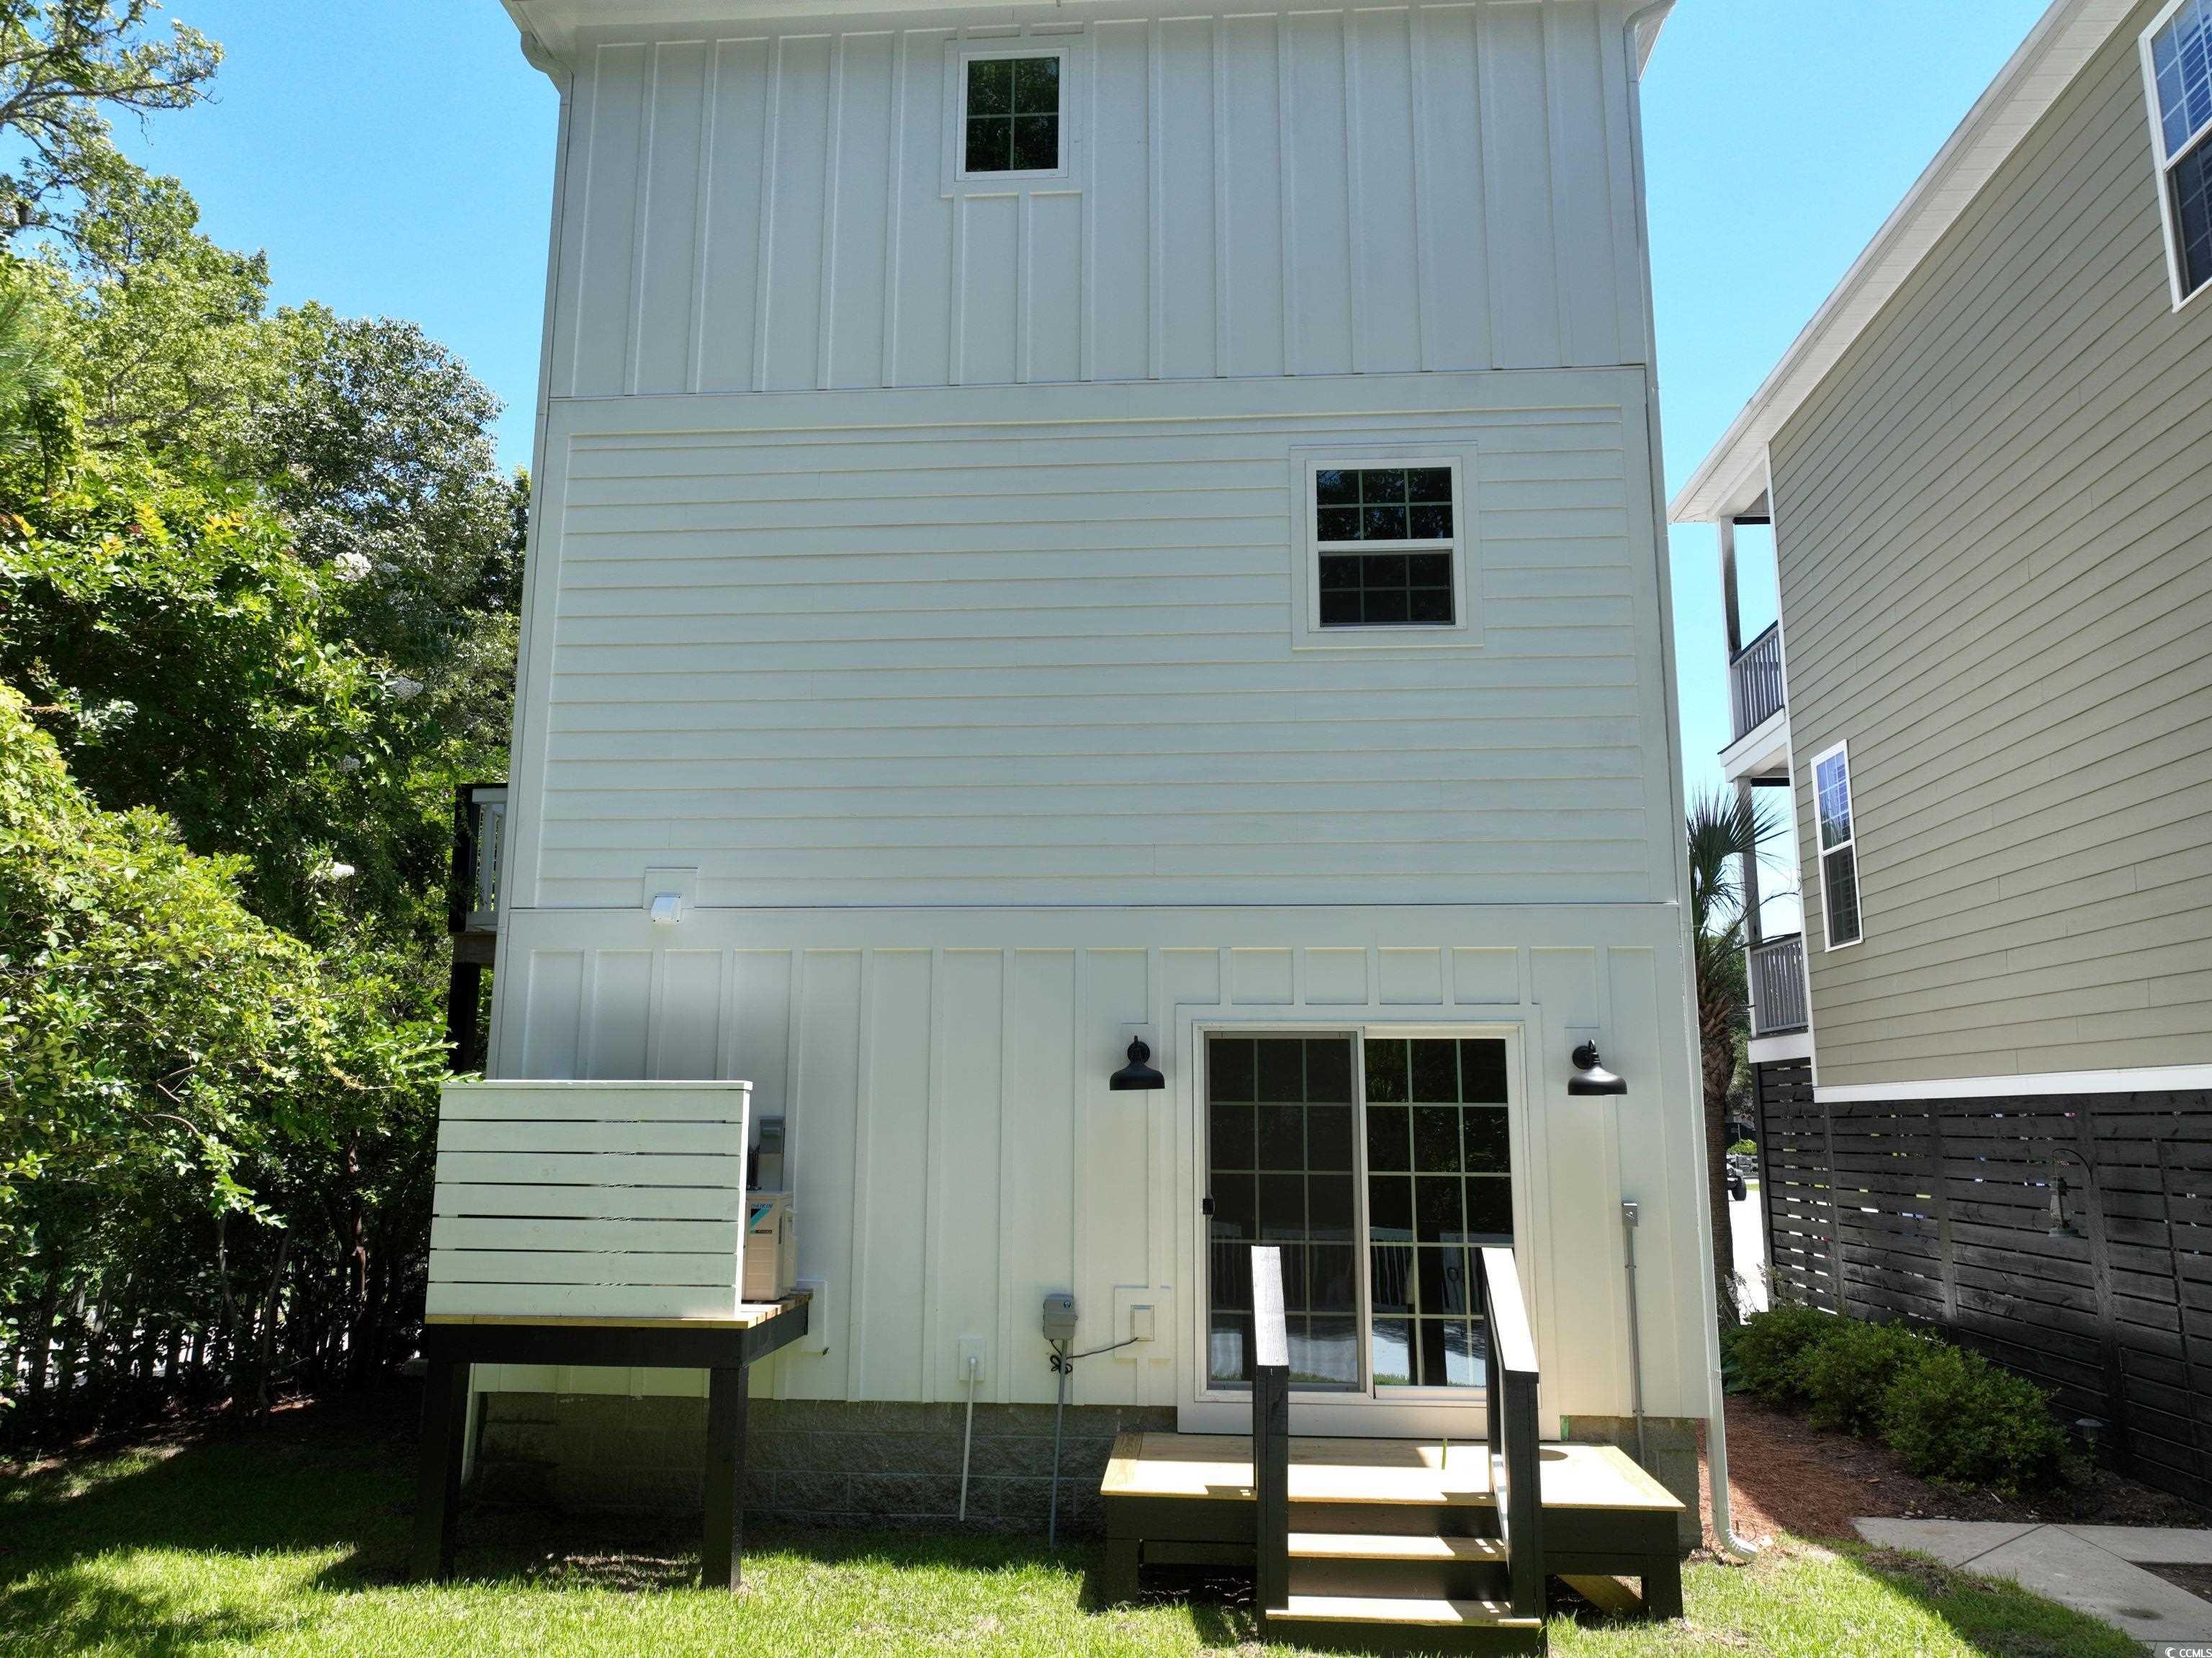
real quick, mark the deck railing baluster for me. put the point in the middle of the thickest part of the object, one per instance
(1271, 1431)
(1514, 1455)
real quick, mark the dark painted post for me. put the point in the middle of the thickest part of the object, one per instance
(438, 1483)
(1271, 1433)
(724, 1542)
(2100, 1266)
(1939, 1191)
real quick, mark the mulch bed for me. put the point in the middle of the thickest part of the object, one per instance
(1785, 1475)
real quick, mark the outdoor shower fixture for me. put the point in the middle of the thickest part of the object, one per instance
(2061, 1226)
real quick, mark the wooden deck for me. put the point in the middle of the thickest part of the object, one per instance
(1393, 1523)
(1379, 1471)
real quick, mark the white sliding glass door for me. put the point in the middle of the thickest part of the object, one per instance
(1378, 1164)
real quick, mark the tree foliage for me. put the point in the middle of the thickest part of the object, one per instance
(1723, 831)
(259, 571)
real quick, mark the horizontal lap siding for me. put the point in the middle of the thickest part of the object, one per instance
(1995, 530)
(929, 664)
(769, 209)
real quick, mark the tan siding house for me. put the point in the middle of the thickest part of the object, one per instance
(1988, 466)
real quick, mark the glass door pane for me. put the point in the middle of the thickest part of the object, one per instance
(1439, 1185)
(1280, 1170)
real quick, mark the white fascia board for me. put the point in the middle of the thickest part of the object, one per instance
(2063, 40)
(550, 28)
(1761, 751)
(1771, 1049)
(2148, 1079)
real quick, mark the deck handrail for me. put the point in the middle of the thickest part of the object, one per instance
(1271, 1431)
(1756, 692)
(1515, 1453)
(1776, 969)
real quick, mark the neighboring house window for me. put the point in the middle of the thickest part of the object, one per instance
(1013, 113)
(2178, 63)
(1386, 539)
(1839, 858)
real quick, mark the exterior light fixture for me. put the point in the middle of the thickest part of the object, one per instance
(1138, 1073)
(1591, 1077)
(2061, 1226)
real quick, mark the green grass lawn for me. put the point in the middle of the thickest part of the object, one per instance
(290, 1539)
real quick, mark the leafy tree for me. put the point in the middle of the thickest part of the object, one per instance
(1724, 832)
(169, 1064)
(65, 65)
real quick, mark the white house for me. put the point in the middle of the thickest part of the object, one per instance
(1057, 524)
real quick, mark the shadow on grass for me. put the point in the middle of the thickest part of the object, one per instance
(1993, 1615)
(333, 1482)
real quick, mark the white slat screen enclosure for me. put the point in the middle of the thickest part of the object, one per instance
(589, 1199)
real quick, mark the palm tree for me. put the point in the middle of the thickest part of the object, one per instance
(1725, 833)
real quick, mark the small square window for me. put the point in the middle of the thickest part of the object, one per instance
(1384, 538)
(1013, 114)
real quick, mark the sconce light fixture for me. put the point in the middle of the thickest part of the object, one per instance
(1138, 1073)
(2060, 1225)
(1590, 1076)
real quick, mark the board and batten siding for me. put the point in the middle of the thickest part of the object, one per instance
(1994, 529)
(771, 208)
(1035, 646)
(954, 1151)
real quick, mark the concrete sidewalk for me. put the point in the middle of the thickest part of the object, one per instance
(2097, 1569)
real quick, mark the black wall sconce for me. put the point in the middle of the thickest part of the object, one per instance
(1590, 1076)
(1138, 1073)
(2060, 1225)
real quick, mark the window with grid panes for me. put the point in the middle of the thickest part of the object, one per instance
(1385, 539)
(1280, 1171)
(1439, 1187)
(1013, 114)
(2179, 64)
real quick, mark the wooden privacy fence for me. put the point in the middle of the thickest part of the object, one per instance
(1950, 1213)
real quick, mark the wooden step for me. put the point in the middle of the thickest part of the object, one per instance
(1412, 1624)
(1429, 1549)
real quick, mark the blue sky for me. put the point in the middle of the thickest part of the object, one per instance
(395, 157)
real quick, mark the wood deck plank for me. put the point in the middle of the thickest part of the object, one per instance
(1219, 1466)
(1366, 1546)
(1376, 1609)
(747, 1315)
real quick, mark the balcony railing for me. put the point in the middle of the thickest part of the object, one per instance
(479, 823)
(1777, 986)
(1755, 681)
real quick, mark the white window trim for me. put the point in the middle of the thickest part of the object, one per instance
(1821, 849)
(1386, 1407)
(2162, 164)
(959, 54)
(1463, 631)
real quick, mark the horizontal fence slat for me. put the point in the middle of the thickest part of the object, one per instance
(1942, 1212)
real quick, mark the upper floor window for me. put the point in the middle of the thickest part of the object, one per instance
(1013, 113)
(1839, 843)
(2178, 65)
(1386, 540)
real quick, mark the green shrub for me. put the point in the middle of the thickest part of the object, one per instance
(1846, 1379)
(1769, 1352)
(1952, 1415)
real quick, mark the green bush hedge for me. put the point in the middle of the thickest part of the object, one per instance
(1950, 1414)
(1849, 1377)
(1767, 1352)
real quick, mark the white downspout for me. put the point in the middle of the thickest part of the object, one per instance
(1708, 1303)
